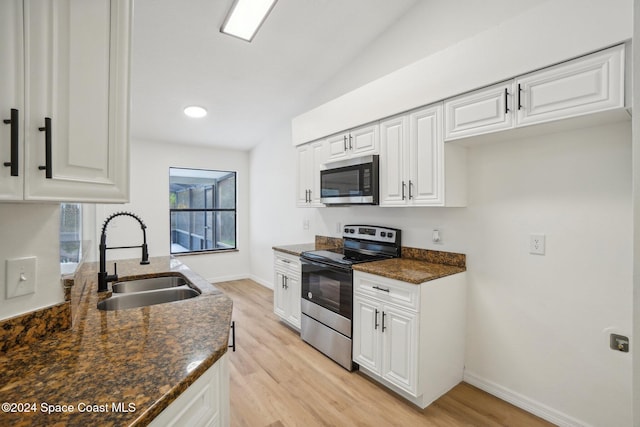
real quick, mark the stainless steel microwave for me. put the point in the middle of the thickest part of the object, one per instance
(350, 182)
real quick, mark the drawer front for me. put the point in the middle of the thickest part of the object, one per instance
(288, 263)
(387, 290)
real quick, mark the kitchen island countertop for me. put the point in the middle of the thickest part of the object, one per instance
(139, 359)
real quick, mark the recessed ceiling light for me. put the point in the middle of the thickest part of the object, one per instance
(195, 111)
(245, 18)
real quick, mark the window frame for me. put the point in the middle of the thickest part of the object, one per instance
(228, 174)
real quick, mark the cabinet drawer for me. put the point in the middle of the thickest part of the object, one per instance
(387, 290)
(287, 262)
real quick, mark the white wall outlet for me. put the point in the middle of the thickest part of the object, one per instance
(537, 244)
(20, 276)
(436, 236)
(305, 224)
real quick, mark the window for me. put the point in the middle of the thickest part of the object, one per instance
(203, 210)
(70, 236)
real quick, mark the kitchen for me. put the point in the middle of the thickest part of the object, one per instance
(528, 316)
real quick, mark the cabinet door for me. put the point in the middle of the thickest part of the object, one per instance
(364, 140)
(483, 111)
(393, 147)
(400, 348)
(11, 98)
(317, 159)
(337, 147)
(426, 158)
(78, 76)
(366, 333)
(585, 85)
(293, 295)
(305, 158)
(279, 294)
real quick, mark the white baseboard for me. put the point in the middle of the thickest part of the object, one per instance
(523, 402)
(227, 278)
(260, 281)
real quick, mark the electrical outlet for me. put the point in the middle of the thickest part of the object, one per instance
(20, 277)
(305, 224)
(537, 244)
(619, 342)
(436, 237)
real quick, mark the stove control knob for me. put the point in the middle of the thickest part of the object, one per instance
(383, 234)
(389, 235)
(346, 230)
(351, 230)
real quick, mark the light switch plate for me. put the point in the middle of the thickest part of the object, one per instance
(20, 276)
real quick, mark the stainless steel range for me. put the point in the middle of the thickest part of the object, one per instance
(327, 287)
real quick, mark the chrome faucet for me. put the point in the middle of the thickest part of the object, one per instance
(103, 276)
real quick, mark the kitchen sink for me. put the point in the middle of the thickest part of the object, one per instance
(148, 284)
(145, 298)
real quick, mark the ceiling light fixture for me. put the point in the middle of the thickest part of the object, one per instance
(195, 111)
(245, 18)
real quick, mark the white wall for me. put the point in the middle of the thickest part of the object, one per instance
(533, 39)
(28, 230)
(150, 163)
(538, 326)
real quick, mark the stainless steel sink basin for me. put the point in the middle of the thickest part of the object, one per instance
(148, 284)
(145, 298)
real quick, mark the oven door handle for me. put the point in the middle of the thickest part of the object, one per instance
(324, 266)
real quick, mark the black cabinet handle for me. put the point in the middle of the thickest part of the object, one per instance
(506, 100)
(14, 122)
(410, 185)
(345, 143)
(375, 323)
(403, 187)
(309, 195)
(47, 147)
(233, 335)
(519, 96)
(383, 327)
(350, 146)
(381, 289)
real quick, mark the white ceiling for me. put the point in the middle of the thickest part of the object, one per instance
(180, 58)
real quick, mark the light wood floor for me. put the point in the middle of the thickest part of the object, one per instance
(278, 380)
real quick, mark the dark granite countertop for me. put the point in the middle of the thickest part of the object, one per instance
(295, 250)
(415, 266)
(142, 358)
(409, 270)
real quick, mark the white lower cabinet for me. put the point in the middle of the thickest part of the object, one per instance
(286, 288)
(205, 403)
(410, 337)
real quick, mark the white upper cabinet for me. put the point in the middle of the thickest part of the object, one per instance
(11, 100)
(416, 168)
(353, 143)
(482, 111)
(310, 158)
(73, 100)
(585, 85)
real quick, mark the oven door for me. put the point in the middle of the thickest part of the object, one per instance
(328, 286)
